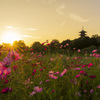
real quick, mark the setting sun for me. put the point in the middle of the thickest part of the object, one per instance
(10, 37)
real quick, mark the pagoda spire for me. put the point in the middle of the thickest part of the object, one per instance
(82, 27)
(82, 32)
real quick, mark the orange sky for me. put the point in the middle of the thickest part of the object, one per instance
(41, 20)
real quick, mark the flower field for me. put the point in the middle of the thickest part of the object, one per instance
(47, 76)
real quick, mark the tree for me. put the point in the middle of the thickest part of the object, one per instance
(38, 47)
(65, 42)
(19, 45)
(81, 43)
(54, 45)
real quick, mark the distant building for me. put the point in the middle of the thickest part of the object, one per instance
(82, 33)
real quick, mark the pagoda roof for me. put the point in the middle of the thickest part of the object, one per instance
(82, 31)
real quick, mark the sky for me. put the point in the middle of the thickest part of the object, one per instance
(41, 20)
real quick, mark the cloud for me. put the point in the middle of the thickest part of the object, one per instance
(29, 36)
(77, 18)
(15, 28)
(60, 9)
(11, 27)
(31, 29)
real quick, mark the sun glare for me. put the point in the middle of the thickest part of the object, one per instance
(10, 37)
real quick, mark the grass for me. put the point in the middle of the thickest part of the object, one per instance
(65, 87)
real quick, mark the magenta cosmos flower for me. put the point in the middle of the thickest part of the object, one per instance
(5, 90)
(77, 76)
(6, 61)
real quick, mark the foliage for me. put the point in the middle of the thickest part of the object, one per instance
(54, 45)
(89, 49)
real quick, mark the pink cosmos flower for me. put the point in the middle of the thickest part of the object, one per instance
(37, 89)
(94, 51)
(7, 71)
(51, 72)
(67, 58)
(47, 80)
(74, 48)
(41, 69)
(81, 72)
(77, 76)
(91, 90)
(98, 56)
(33, 93)
(6, 61)
(34, 70)
(57, 72)
(67, 44)
(52, 76)
(61, 46)
(76, 68)
(83, 66)
(13, 55)
(78, 50)
(64, 71)
(91, 55)
(89, 65)
(98, 86)
(51, 59)
(40, 83)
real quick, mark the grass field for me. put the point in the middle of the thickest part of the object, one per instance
(36, 76)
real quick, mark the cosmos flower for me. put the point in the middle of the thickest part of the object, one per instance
(94, 51)
(91, 90)
(52, 76)
(6, 61)
(64, 71)
(53, 90)
(13, 55)
(37, 89)
(98, 86)
(89, 65)
(33, 93)
(81, 72)
(77, 76)
(5, 90)
(76, 68)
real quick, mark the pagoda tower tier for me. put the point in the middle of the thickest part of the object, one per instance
(83, 33)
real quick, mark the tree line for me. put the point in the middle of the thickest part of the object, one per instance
(54, 45)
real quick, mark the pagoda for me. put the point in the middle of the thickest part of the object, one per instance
(82, 33)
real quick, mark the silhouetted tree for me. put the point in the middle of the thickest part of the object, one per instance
(6, 46)
(38, 47)
(65, 42)
(54, 45)
(19, 45)
(81, 43)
